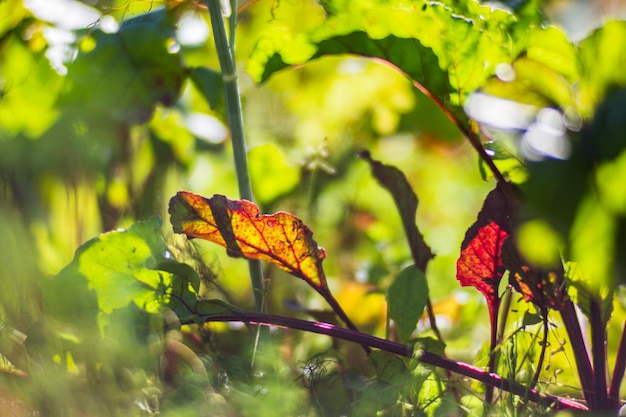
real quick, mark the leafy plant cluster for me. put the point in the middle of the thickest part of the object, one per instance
(135, 323)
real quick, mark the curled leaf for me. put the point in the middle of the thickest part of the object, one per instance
(237, 225)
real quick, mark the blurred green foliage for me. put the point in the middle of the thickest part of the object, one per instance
(101, 137)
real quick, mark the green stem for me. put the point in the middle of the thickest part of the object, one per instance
(235, 122)
(544, 345)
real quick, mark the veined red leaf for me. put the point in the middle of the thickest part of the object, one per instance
(279, 238)
(480, 264)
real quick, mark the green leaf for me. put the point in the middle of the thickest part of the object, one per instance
(390, 368)
(544, 73)
(126, 73)
(210, 84)
(581, 292)
(406, 300)
(446, 54)
(602, 61)
(109, 272)
(272, 175)
(509, 164)
(530, 319)
(604, 139)
(593, 243)
(216, 307)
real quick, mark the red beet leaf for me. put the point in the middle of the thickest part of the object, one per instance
(480, 264)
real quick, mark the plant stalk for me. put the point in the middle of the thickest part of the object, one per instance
(226, 58)
(544, 345)
(598, 353)
(332, 301)
(618, 370)
(581, 355)
(461, 368)
(493, 356)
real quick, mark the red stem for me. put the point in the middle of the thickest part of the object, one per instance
(461, 368)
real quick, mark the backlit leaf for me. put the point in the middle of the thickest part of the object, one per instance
(279, 238)
(480, 264)
(272, 175)
(582, 293)
(446, 53)
(112, 270)
(602, 61)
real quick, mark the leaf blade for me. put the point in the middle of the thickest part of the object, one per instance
(406, 299)
(480, 264)
(281, 238)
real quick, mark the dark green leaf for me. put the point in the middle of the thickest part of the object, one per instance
(392, 179)
(390, 368)
(215, 307)
(406, 300)
(531, 319)
(605, 139)
(210, 84)
(126, 73)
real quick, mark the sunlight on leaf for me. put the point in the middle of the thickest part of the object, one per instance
(581, 292)
(272, 175)
(446, 54)
(602, 59)
(114, 269)
(237, 225)
(480, 264)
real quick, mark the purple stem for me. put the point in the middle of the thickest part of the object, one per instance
(618, 370)
(332, 301)
(461, 368)
(598, 353)
(581, 355)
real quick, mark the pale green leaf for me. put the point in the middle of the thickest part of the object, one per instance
(273, 175)
(110, 272)
(446, 54)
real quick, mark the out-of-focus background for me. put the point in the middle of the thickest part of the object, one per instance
(70, 172)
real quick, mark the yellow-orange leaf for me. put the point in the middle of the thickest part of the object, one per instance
(279, 238)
